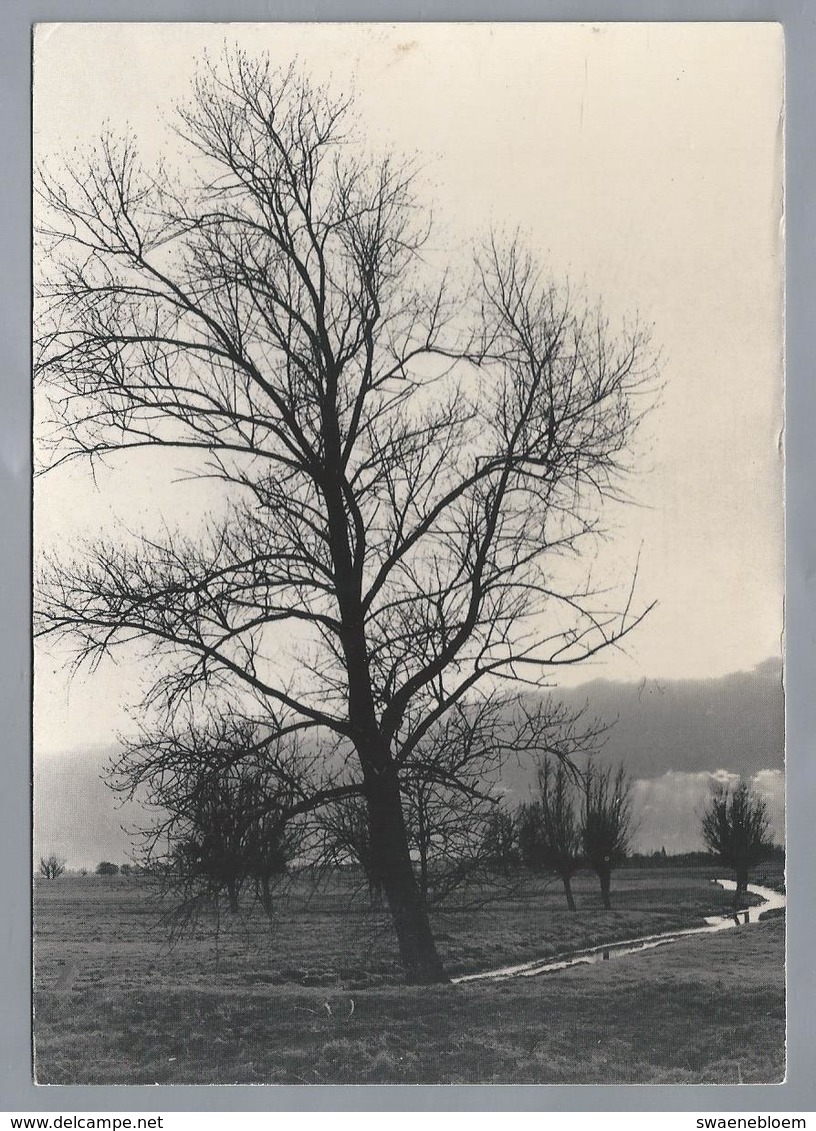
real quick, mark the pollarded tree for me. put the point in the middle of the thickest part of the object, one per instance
(606, 822)
(405, 466)
(273, 842)
(228, 808)
(52, 866)
(737, 829)
(550, 830)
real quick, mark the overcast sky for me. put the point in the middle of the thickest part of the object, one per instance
(644, 162)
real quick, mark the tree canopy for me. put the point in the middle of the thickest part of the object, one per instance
(406, 467)
(606, 821)
(736, 827)
(52, 866)
(550, 833)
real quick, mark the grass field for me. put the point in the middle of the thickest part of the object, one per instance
(254, 1002)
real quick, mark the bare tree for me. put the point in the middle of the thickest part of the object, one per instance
(606, 821)
(347, 837)
(272, 844)
(446, 829)
(451, 781)
(406, 465)
(52, 866)
(500, 843)
(550, 832)
(736, 828)
(228, 807)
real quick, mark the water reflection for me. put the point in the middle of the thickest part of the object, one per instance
(772, 900)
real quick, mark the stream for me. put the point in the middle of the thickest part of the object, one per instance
(773, 900)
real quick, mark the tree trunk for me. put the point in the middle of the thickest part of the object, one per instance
(422, 841)
(423, 874)
(232, 896)
(605, 876)
(741, 893)
(375, 895)
(389, 839)
(568, 891)
(265, 895)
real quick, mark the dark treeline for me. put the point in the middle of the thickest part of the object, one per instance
(662, 859)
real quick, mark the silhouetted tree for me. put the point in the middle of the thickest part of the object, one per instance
(347, 836)
(272, 843)
(106, 868)
(52, 866)
(550, 833)
(404, 462)
(446, 831)
(227, 810)
(736, 828)
(450, 782)
(500, 843)
(606, 821)
(212, 859)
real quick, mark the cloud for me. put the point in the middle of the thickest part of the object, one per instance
(668, 807)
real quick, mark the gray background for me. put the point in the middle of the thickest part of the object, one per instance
(16, 1090)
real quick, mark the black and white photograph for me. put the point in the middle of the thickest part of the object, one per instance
(408, 553)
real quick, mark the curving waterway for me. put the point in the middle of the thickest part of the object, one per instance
(772, 901)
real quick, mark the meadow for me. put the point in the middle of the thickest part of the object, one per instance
(316, 995)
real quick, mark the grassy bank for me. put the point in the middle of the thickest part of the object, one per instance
(260, 1004)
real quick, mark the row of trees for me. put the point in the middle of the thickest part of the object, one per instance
(226, 831)
(577, 821)
(108, 868)
(231, 813)
(54, 866)
(585, 821)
